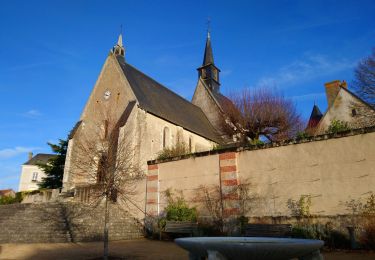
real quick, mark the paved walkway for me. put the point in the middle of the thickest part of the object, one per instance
(134, 249)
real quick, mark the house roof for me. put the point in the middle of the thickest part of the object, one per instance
(164, 103)
(40, 158)
(357, 97)
(315, 117)
(6, 192)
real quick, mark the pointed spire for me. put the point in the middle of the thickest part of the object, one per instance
(315, 117)
(119, 41)
(119, 49)
(208, 56)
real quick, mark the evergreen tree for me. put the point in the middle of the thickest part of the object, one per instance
(54, 168)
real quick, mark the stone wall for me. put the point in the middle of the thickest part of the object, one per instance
(331, 169)
(63, 222)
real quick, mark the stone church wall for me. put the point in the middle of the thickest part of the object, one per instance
(330, 169)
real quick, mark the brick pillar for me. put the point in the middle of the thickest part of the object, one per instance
(228, 182)
(152, 190)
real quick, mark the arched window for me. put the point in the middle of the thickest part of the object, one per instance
(165, 137)
(190, 144)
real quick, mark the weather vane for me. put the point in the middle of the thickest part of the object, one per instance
(208, 25)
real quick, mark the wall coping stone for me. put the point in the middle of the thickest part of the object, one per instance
(239, 148)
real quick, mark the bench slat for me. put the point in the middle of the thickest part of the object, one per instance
(180, 227)
(268, 230)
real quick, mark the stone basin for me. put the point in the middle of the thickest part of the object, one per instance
(264, 248)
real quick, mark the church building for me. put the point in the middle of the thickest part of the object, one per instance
(149, 114)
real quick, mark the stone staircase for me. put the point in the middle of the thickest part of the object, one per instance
(63, 222)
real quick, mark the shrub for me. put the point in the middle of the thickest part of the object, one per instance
(169, 152)
(301, 207)
(302, 135)
(256, 142)
(11, 200)
(332, 238)
(338, 126)
(177, 209)
(367, 239)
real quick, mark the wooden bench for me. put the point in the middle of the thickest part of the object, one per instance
(180, 227)
(268, 230)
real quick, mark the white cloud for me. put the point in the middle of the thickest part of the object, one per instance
(33, 113)
(226, 72)
(310, 96)
(12, 152)
(310, 67)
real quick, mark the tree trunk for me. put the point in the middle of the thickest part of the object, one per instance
(106, 228)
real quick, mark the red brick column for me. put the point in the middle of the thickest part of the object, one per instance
(228, 182)
(152, 190)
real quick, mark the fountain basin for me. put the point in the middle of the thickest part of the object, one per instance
(264, 248)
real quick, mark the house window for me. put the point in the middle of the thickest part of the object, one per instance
(165, 137)
(35, 176)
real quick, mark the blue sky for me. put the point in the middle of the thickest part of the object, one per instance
(51, 53)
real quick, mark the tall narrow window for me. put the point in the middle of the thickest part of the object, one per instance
(100, 174)
(165, 137)
(105, 129)
(35, 176)
(190, 144)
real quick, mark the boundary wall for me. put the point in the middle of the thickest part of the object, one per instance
(331, 169)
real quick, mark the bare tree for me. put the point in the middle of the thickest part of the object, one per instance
(261, 112)
(104, 162)
(213, 200)
(364, 82)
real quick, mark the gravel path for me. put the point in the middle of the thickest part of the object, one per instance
(133, 249)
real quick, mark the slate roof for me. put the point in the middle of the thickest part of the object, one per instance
(164, 103)
(6, 192)
(315, 117)
(208, 56)
(360, 99)
(39, 158)
(224, 103)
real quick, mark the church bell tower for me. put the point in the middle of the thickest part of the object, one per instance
(119, 49)
(208, 72)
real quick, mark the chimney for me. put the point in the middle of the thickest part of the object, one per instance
(30, 155)
(332, 89)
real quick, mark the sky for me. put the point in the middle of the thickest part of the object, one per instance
(51, 53)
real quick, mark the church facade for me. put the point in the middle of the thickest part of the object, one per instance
(147, 113)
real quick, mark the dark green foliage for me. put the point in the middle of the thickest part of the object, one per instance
(54, 169)
(302, 135)
(338, 126)
(208, 229)
(332, 238)
(10, 200)
(256, 142)
(177, 209)
(243, 221)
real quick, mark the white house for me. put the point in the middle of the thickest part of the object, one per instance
(31, 174)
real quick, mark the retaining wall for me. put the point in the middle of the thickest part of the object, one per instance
(63, 222)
